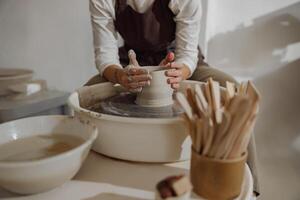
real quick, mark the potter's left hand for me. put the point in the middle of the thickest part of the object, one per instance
(176, 72)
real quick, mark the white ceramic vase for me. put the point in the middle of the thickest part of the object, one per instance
(158, 93)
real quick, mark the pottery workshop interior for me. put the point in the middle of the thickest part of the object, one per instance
(149, 100)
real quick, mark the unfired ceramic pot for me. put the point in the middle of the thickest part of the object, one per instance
(158, 93)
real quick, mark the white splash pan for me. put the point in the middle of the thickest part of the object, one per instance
(130, 138)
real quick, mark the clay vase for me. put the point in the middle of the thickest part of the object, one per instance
(158, 93)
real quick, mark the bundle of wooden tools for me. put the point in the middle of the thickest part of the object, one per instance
(221, 120)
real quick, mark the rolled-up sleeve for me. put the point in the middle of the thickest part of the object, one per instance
(104, 34)
(187, 18)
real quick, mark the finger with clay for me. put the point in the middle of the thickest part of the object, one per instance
(133, 77)
(176, 72)
(137, 78)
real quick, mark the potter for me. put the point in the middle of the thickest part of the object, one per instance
(162, 33)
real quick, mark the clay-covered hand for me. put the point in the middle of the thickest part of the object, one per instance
(133, 77)
(176, 72)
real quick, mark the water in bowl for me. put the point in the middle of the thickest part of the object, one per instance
(37, 147)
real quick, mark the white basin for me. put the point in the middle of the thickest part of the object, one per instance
(28, 177)
(130, 138)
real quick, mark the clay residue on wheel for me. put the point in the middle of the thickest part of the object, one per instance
(123, 104)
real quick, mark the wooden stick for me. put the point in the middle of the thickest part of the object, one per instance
(199, 132)
(216, 100)
(205, 132)
(252, 92)
(215, 93)
(191, 128)
(208, 97)
(221, 131)
(240, 117)
(238, 147)
(233, 110)
(201, 110)
(242, 88)
(210, 137)
(185, 105)
(189, 113)
(245, 142)
(191, 99)
(230, 92)
(201, 97)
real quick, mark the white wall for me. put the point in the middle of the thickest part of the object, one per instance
(250, 38)
(51, 37)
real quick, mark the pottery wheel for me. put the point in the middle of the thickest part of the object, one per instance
(123, 104)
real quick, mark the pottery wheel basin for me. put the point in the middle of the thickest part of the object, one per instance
(132, 138)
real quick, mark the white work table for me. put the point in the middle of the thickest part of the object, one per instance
(109, 179)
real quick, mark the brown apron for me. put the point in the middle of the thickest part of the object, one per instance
(150, 34)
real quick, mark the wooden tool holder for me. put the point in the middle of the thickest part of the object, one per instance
(217, 179)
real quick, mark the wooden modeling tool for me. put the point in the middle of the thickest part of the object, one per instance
(191, 99)
(199, 136)
(185, 105)
(208, 97)
(229, 92)
(201, 97)
(209, 137)
(221, 132)
(216, 100)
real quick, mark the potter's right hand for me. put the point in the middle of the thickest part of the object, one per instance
(133, 78)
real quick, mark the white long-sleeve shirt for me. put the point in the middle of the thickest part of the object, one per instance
(187, 18)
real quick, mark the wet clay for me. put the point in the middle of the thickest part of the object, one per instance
(124, 105)
(37, 147)
(158, 93)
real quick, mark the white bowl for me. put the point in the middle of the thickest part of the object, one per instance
(131, 138)
(28, 177)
